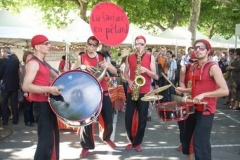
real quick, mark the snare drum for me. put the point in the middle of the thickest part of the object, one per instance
(80, 101)
(190, 109)
(172, 111)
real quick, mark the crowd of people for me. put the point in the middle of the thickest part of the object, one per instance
(219, 78)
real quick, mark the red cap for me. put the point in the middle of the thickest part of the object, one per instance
(141, 37)
(38, 39)
(206, 42)
(93, 38)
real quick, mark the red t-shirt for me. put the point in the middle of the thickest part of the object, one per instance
(204, 83)
(42, 79)
(146, 61)
(62, 64)
(88, 61)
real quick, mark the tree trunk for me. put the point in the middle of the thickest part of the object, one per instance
(211, 29)
(194, 16)
(83, 9)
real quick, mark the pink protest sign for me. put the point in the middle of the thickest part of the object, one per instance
(109, 23)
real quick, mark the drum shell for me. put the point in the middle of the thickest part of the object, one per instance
(172, 111)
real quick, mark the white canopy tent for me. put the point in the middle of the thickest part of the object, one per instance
(218, 41)
(134, 31)
(77, 32)
(231, 40)
(174, 36)
(186, 33)
(14, 32)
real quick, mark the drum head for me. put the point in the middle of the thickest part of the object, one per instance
(80, 97)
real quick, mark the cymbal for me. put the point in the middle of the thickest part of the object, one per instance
(151, 98)
(160, 89)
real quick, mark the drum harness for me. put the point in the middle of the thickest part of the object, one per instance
(192, 82)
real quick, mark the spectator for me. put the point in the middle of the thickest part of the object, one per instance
(122, 68)
(62, 68)
(9, 74)
(178, 60)
(162, 67)
(185, 58)
(234, 67)
(27, 104)
(172, 67)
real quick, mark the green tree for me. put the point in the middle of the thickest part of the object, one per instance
(218, 17)
(209, 16)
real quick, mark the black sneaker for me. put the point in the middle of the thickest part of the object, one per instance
(29, 124)
(15, 123)
(149, 118)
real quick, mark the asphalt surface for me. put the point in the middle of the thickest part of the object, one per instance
(160, 141)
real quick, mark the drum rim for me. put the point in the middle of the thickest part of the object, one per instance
(170, 109)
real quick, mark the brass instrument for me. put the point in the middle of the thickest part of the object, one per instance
(139, 80)
(97, 71)
(100, 73)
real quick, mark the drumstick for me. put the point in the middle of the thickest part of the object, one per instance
(168, 80)
(60, 87)
(188, 100)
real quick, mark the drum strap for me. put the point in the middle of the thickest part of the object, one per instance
(45, 64)
(199, 77)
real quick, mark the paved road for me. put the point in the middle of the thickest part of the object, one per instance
(160, 141)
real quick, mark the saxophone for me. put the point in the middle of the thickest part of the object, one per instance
(139, 80)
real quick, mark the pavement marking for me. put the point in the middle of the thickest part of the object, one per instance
(175, 147)
(114, 129)
(167, 147)
(228, 117)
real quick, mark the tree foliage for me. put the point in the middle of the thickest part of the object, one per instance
(216, 16)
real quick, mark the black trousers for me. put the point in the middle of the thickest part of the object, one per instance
(181, 130)
(87, 132)
(199, 126)
(28, 111)
(163, 82)
(142, 108)
(13, 97)
(48, 132)
(125, 87)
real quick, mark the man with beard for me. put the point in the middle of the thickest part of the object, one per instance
(207, 85)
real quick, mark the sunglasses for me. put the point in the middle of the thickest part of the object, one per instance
(92, 44)
(46, 43)
(201, 48)
(141, 44)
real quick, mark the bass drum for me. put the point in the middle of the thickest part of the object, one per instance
(80, 101)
